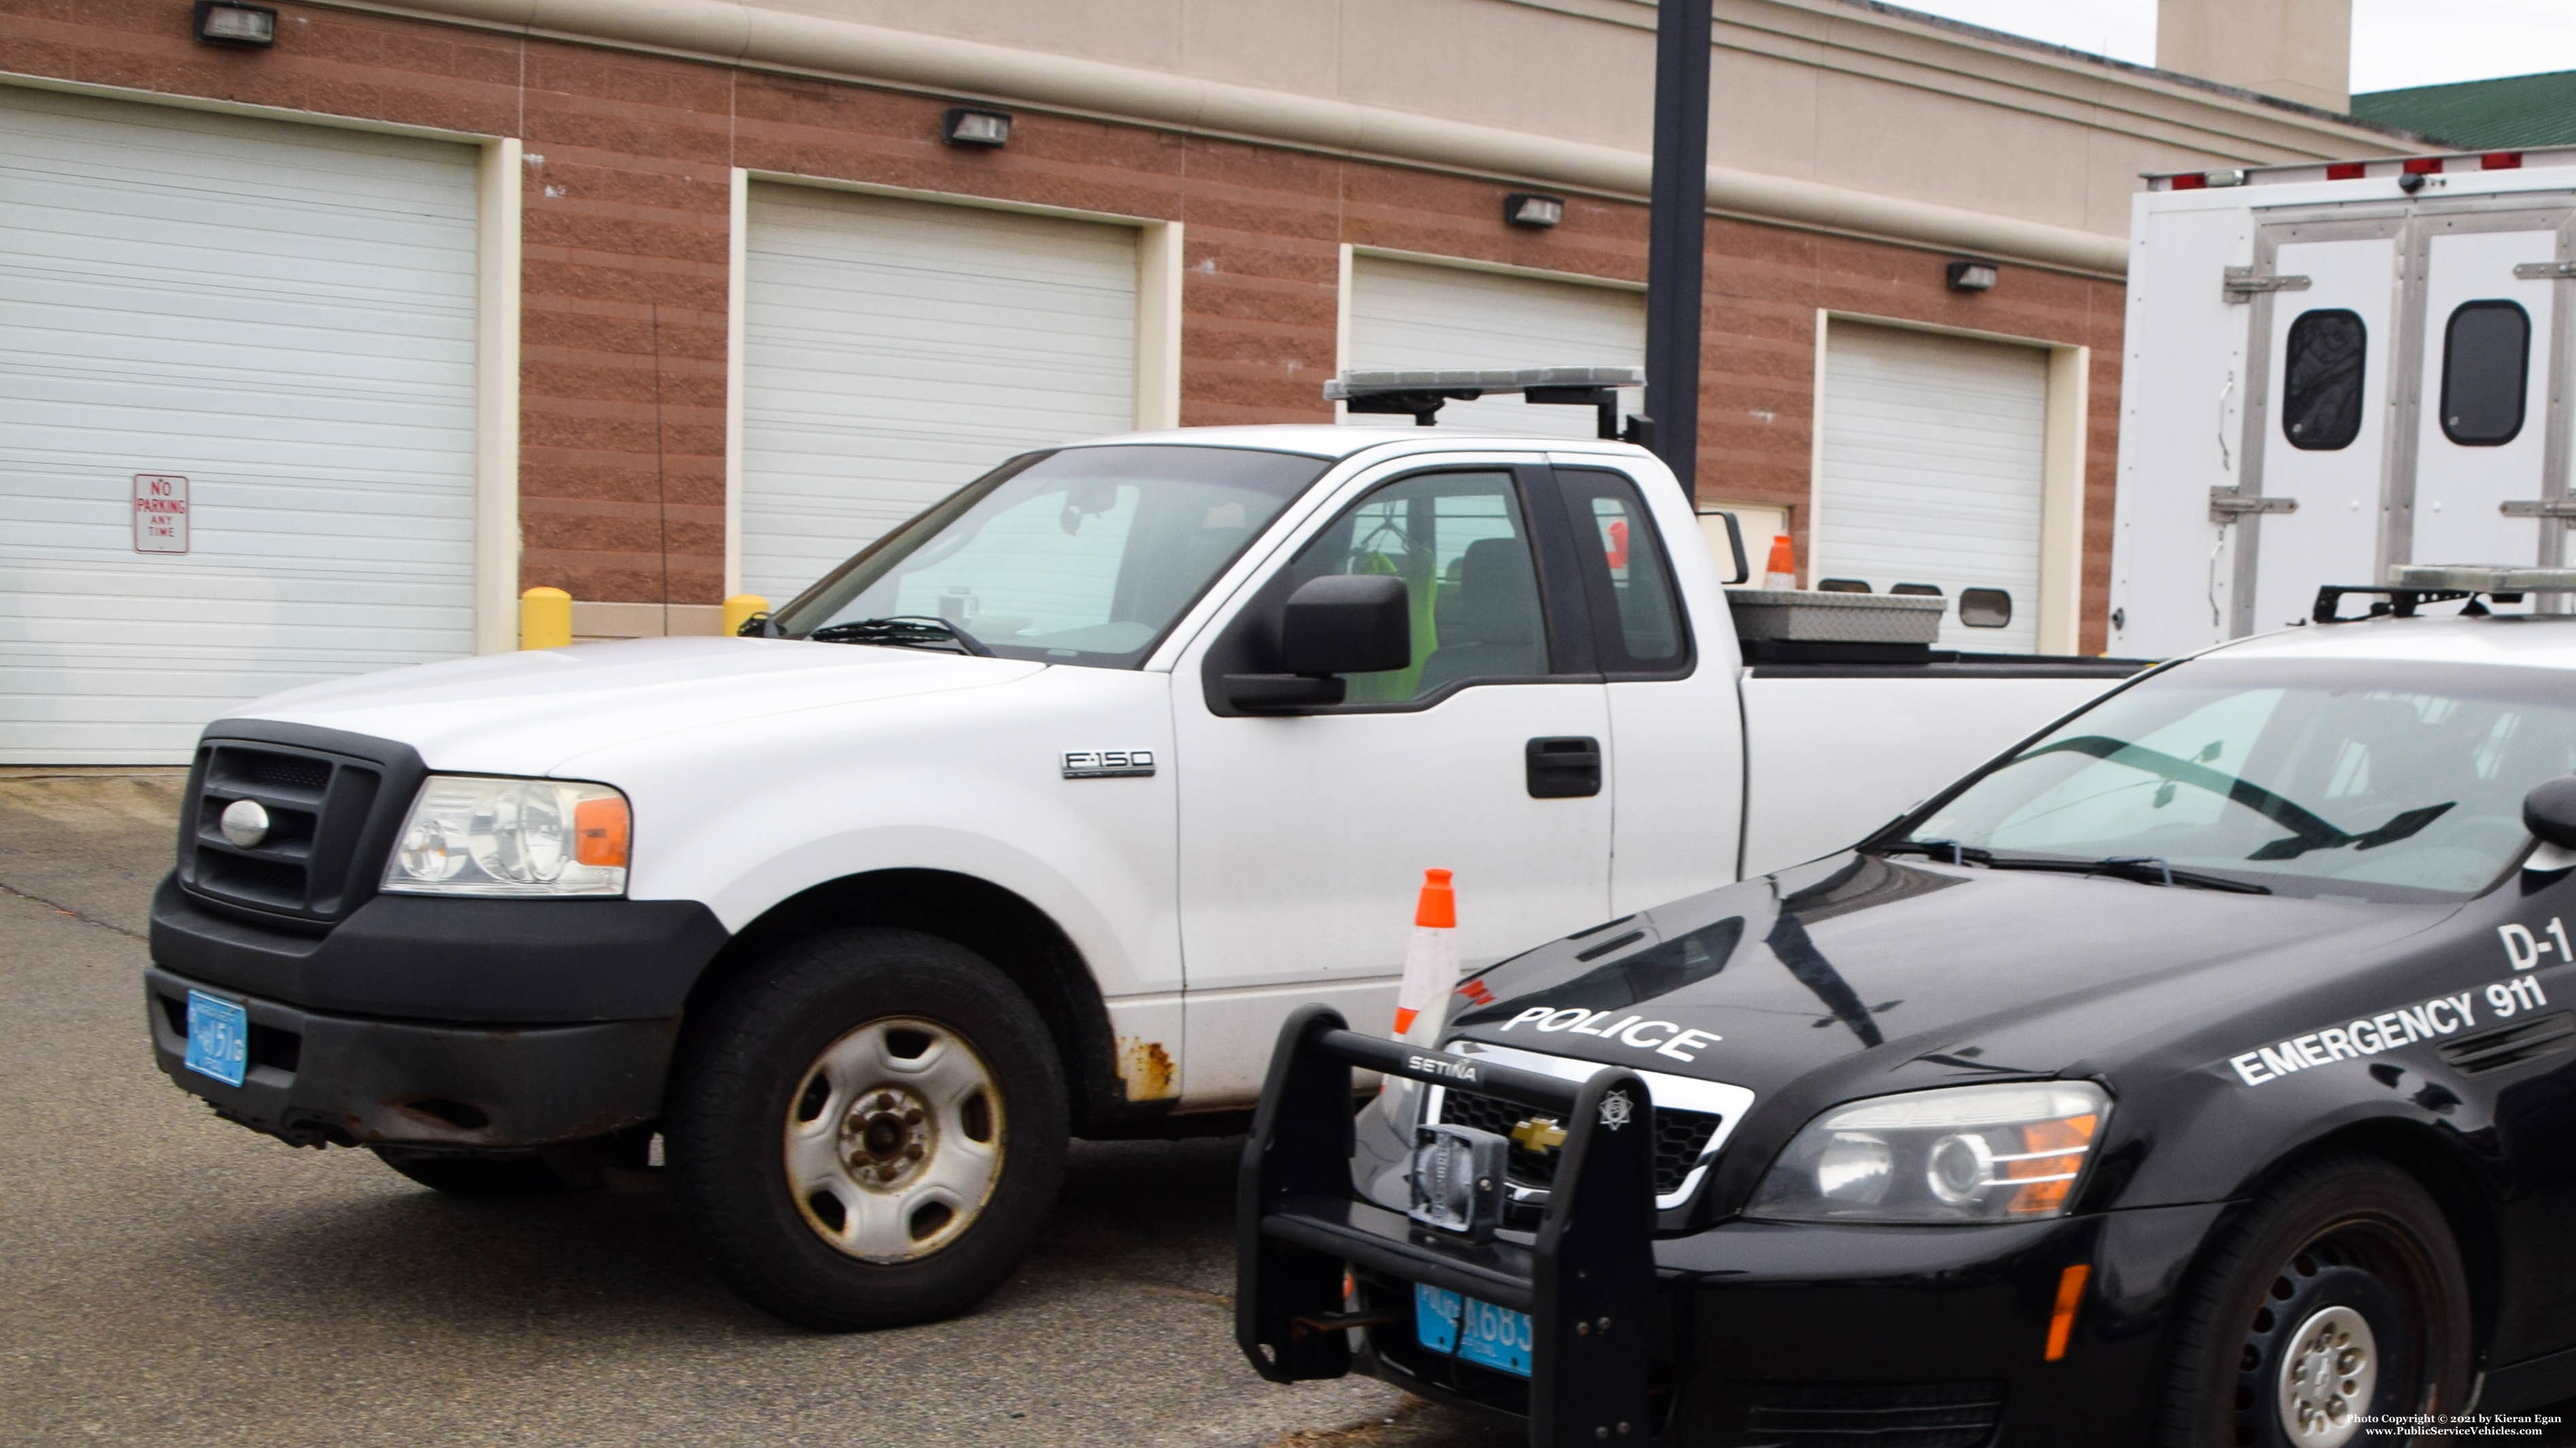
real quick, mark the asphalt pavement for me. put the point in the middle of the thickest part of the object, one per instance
(169, 1278)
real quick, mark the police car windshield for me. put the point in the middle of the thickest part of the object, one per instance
(1085, 556)
(2309, 777)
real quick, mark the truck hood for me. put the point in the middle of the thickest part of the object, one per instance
(525, 713)
(1857, 974)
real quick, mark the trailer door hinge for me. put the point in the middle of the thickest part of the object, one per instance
(2242, 285)
(2538, 508)
(2226, 505)
(2544, 271)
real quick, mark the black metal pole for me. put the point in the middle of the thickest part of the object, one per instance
(1678, 231)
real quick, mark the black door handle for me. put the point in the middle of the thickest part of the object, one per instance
(1567, 767)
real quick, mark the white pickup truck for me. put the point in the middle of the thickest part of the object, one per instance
(1033, 819)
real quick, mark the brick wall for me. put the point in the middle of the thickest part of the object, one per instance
(625, 247)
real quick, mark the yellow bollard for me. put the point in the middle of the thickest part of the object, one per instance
(545, 618)
(739, 609)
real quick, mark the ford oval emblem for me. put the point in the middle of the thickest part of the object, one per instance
(244, 822)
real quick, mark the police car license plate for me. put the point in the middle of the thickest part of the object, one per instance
(1472, 1331)
(218, 1038)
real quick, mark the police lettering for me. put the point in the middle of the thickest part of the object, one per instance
(1680, 1044)
(2441, 1016)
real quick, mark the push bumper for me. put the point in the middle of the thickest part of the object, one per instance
(1743, 1334)
(315, 1079)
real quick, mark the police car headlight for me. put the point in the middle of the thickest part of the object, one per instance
(471, 834)
(2005, 1152)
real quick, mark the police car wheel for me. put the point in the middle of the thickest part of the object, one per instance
(2336, 1298)
(868, 1129)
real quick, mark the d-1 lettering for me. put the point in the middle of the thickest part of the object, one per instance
(2524, 947)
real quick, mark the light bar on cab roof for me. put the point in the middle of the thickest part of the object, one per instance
(1374, 382)
(2481, 580)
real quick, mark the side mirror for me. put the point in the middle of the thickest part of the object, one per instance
(1355, 623)
(2549, 812)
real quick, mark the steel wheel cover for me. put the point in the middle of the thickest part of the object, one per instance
(894, 1140)
(2328, 1375)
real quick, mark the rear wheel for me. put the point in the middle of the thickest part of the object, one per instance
(2338, 1298)
(869, 1129)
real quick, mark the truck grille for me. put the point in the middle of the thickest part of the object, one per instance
(1680, 1137)
(313, 864)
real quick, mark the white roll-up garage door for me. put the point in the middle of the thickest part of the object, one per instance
(1933, 455)
(896, 349)
(1417, 314)
(283, 317)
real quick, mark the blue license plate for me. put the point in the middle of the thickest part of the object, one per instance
(1472, 1331)
(218, 1038)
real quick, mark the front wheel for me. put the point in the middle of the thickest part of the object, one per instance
(2337, 1300)
(868, 1129)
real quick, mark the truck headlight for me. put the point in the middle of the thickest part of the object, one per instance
(471, 834)
(2006, 1152)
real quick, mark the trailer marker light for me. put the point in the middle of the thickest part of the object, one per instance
(2224, 178)
(2346, 171)
(2500, 161)
(2061, 1323)
(1526, 208)
(2423, 166)
(2192, 181)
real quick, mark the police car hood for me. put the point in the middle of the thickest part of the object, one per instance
(1856, 974)
(525, 713)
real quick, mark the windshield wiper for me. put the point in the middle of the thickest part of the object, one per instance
(2145, 869)
(904, 631)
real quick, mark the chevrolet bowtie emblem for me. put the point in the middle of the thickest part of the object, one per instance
(1538, 1134)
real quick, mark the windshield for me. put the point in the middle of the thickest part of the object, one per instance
(2310, 777)
(1085, 556)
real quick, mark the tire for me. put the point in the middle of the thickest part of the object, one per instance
(2338, 1294)
(479, 1176)
(868, 1129)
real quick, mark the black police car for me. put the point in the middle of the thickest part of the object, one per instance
(2201, 1072)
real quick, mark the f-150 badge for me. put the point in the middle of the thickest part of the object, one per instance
(1108, 763)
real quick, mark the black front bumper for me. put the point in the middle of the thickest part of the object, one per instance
(316, 1079)
(466, 1024)
(1746, 1333)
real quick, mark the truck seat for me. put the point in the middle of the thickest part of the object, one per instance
(1491, 628)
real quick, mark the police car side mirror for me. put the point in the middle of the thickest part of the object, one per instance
(1346, 623)
(2549, 812)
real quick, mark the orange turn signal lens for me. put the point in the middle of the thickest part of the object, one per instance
(2050, 1174)
(2061, 1322)
(601, 829)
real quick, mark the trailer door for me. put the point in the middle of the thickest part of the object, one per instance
(2306, 510)
(2483, 438)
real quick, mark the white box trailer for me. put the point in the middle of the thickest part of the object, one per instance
(2336, 369)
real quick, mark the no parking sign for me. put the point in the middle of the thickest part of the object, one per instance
(160, 513)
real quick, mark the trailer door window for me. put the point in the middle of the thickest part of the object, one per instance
(2321, 387)
(2486, 369)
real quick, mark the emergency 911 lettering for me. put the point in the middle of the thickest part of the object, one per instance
(2441, 1015)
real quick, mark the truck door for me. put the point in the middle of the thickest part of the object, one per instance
(2306, 509)
(2482, 434)
(1303, 837)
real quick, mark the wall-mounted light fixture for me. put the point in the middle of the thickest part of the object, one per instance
(1528, 208)
(1973, 276)
(982, 130)
(223, 22)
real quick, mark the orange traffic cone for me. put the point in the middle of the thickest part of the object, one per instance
(1783, 572)
(1431, 966)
